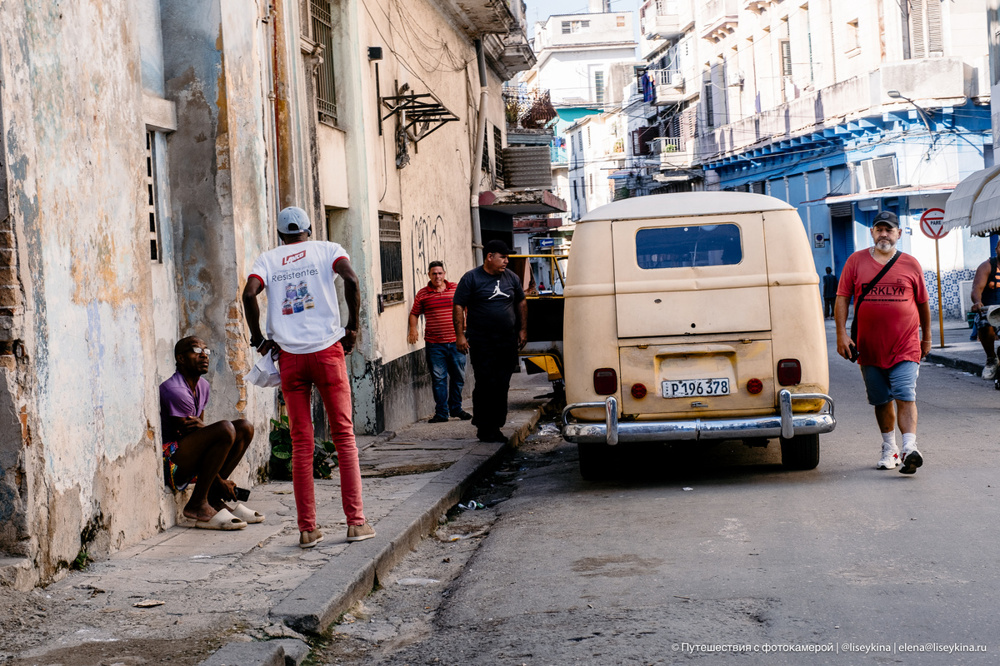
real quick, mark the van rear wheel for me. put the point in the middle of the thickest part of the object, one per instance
(595, 461)
(801, 452)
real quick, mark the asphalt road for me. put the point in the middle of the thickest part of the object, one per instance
(716, 554)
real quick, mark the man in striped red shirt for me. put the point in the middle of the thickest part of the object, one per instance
(447, 364)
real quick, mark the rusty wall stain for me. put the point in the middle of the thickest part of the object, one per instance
(236, 352)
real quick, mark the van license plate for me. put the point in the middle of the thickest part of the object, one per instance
(689, 388)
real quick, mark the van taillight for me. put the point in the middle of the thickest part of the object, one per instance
(605, 381)
(789, 371)
(638, 391)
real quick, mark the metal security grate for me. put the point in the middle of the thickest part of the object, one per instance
(150, 182)
(391, 257)
(326, 89)
(498, 155)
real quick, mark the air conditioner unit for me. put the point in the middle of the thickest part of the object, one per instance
(734, 77)
(877, 173)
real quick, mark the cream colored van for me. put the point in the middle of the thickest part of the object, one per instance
(694, 316)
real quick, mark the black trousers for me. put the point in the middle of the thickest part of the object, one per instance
(828, 304)
(492, 365)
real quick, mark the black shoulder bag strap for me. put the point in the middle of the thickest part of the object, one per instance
(864, 292)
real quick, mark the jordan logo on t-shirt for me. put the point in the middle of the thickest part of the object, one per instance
(497, 292)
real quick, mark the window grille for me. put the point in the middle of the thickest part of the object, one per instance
(599, 87)
(326, 90)
(486, 150)
(153, 220)
(786, 57)
(391, 257)
(498, 155)
(709, 106)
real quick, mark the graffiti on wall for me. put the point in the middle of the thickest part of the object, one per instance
(427, 246)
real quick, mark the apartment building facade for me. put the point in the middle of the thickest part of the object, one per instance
(841, 109)
(583, 61)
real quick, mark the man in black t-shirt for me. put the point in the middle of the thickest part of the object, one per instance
(830, 284)
(490, 309)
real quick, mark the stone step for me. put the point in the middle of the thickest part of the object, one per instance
(17, 572)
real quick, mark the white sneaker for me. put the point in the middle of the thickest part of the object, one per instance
(890, 457)
(911, 461)
(990, 370)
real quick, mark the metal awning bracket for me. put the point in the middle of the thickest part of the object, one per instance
(421, 114)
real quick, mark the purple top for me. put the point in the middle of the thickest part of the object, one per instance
(176, 399)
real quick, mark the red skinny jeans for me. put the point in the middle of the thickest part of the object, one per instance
(327, 371)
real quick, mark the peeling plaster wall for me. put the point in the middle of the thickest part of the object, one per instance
(431, 194)
(75, 150)
(214, 73)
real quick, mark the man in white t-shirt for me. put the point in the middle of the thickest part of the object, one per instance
(304, 330)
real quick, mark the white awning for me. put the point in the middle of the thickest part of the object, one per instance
(968, 205)
(985, 218)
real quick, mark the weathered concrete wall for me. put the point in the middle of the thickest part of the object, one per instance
(214, 73)
(75, 155)
(431, 194)
(87, 321)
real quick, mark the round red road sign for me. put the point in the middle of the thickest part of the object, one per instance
(932, 223)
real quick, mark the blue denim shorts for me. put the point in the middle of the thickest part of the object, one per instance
(896, 383)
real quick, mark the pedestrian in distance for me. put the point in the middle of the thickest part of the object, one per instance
(829, 293)
(194, 452)
(447, 364)
(986, 292)
(891, 312)
(304, 329)
(491, 323)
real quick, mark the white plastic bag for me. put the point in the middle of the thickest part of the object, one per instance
(264, 373)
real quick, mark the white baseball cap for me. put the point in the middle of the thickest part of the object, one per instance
(293, 220)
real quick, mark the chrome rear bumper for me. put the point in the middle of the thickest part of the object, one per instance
(785, 424)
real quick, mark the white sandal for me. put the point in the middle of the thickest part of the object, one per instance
(247, 514)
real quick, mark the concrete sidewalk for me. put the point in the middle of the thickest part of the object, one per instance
(256, 584)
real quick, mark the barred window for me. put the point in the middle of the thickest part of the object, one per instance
(486, 150)
(599, 87)
(498, 154)
(391, 257)
(150, 209)
(326, 90)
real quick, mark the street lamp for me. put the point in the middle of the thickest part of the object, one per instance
(895, 94)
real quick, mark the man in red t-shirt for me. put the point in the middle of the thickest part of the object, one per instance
(892, 316)
(434, 302)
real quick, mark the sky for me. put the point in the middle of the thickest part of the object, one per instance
(539, 10)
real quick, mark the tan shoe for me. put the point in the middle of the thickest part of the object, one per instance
(310, 539)
(359, 532)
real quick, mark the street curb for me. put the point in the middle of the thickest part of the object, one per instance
(957, 363)
(263, 653)
(319, 600)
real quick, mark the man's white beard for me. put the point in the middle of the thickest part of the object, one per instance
(885, 245)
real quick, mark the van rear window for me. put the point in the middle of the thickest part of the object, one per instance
(685, 247)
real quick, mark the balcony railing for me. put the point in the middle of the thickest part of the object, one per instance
(667, 77)
(558, 155)
(670, 87)
(674, 152)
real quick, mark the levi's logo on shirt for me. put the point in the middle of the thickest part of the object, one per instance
(293, 257)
